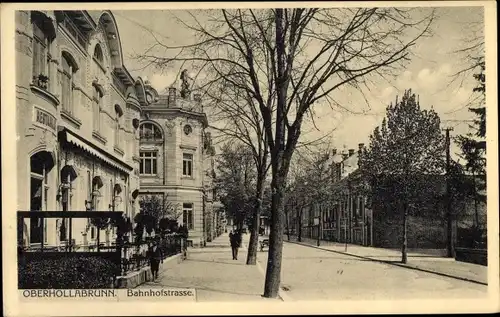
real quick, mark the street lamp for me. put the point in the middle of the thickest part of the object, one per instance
(89, 204)
(116, 200)
(317, 222)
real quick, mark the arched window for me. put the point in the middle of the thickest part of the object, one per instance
(150, 132)
(98, 56)
(118, 115)
(96, 107)
(41, 51)
(41, 164)
(69, 69)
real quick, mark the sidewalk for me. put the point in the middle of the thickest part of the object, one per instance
(416, 260)
(214, 275)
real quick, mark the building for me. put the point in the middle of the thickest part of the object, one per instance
(346, 216)
(371, 215)
(78, 112)
(176, 158)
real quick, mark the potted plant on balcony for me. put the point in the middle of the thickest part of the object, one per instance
(41, 81)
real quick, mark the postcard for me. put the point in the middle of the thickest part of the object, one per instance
(249, 158)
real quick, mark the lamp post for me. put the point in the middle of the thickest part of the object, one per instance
(115, 201)
(89, 206)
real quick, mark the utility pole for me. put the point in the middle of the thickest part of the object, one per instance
(450, 242)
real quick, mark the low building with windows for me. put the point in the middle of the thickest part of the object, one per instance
(78, 112)
(176, 158)
(346, 216)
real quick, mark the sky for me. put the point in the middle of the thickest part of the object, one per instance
(428, 74)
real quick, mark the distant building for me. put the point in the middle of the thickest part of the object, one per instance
(176, 158)
(77, 112)
(346, 217)
(360, 214)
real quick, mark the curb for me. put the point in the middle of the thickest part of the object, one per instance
(281, 295)
(391, 263)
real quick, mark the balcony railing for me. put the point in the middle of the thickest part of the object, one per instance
(74, 32)
(149, 136)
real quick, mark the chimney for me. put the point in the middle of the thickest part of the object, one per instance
(334, 152)
(197, 101)
(172, 94)
(361, 146)
(351, 152)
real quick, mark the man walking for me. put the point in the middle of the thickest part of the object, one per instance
(235, 240)
(155, 257)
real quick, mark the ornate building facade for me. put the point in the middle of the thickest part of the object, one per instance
(78, 113)
(176, 158)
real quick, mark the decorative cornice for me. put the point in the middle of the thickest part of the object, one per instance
(188, 147)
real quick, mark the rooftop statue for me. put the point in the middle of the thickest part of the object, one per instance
(185, 90)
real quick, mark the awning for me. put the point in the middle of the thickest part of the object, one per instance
(107, 158)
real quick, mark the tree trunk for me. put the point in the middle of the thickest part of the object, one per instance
(280, 159)
(404, 258)
(254, 234)
(273, 272)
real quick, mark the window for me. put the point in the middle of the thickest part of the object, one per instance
(41, 164)
(96, 109)
(117, 128)
(187, 164)
(69, 69)
(151, 132)
(148, 163)
(98, 56)
(187, 215)
(41, 55)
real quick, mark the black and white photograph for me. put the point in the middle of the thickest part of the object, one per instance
(283, 153)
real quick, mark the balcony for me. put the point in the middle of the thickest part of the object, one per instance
(148, 136)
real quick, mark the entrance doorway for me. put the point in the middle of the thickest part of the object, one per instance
(41, 164)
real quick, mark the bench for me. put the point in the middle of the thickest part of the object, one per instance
(264, 243)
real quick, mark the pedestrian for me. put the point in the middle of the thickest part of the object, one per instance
(155, 257)
(235, 238)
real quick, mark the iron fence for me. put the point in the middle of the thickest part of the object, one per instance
(56, 258)
(135, 255)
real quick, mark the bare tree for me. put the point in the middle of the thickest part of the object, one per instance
(235, 116)
(288, 60)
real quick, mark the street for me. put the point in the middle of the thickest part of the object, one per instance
(307, 274)
(312, 274)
